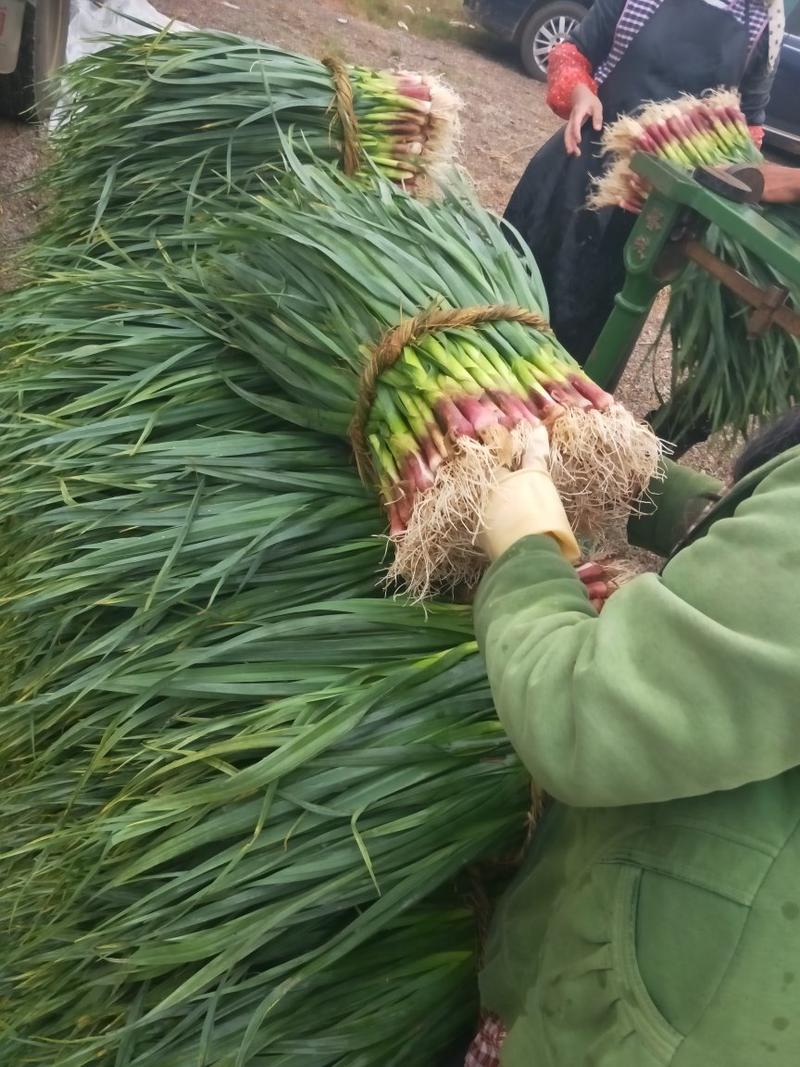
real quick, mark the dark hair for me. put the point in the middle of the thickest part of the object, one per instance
(770, 442)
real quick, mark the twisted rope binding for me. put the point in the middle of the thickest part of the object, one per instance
(390, 347)
(345, 109)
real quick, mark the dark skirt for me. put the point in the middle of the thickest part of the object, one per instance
(579, 252)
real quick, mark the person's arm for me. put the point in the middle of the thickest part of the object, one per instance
(571, 87)
(594, 35)
(686, 684)
(781, 184)
(670, 508)
(568, 72)
(756, 88)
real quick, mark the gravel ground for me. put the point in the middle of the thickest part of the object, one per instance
(20, 157)
(505, 121)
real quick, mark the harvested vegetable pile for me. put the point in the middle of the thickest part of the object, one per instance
(689, 132)
(417, 331)
(722, 378)
(240, 787)
(232, 775)
(156, 124)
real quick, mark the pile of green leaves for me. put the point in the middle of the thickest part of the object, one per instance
(236, 785)
(155, 127)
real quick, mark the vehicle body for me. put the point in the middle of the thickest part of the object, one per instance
(533, 26)
(536, 26)
(33, 41)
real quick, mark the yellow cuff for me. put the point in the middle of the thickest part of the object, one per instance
(525, 502)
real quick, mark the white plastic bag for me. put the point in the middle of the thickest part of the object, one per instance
(91, 19)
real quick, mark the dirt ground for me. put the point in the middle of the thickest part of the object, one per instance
(20, 157)
(505, 118)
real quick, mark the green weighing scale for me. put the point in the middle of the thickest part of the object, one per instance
(669, 235)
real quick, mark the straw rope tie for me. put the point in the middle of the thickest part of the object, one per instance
(389, 349)
(345, 109)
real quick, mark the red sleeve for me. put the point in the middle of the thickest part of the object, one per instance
(567, 68)
(757, 133)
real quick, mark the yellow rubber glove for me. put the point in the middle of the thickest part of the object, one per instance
(525, 502)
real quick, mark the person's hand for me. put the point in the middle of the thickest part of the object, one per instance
(524, 502)
(598, 584)
(781, 184)
(585, 105)
(639, 192)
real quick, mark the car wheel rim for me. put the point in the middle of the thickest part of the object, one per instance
(553, 32)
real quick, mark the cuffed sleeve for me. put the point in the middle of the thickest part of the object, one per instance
(567, 68)
(670, 508)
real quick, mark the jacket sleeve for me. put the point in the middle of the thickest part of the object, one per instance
(757, 84)
(594, 35)
(573, 62)
(671, 507)
(567, 68)
(686, 684)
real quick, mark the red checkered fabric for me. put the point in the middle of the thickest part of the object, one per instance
(485, 1049)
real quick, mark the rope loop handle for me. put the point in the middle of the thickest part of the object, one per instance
(345, 108)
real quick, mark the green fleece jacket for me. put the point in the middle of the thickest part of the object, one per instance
(657, 917)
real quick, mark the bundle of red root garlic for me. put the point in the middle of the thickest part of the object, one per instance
(419, 332)
(689, 132)
(155, 128)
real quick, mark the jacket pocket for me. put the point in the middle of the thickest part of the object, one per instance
(676, 941)
(647, 1021)
(589, 1005)
(636, 949)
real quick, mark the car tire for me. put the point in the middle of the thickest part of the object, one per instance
(547, 26)
(29, 91)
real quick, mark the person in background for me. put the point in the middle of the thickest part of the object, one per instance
(626, 52)
(656, 918)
